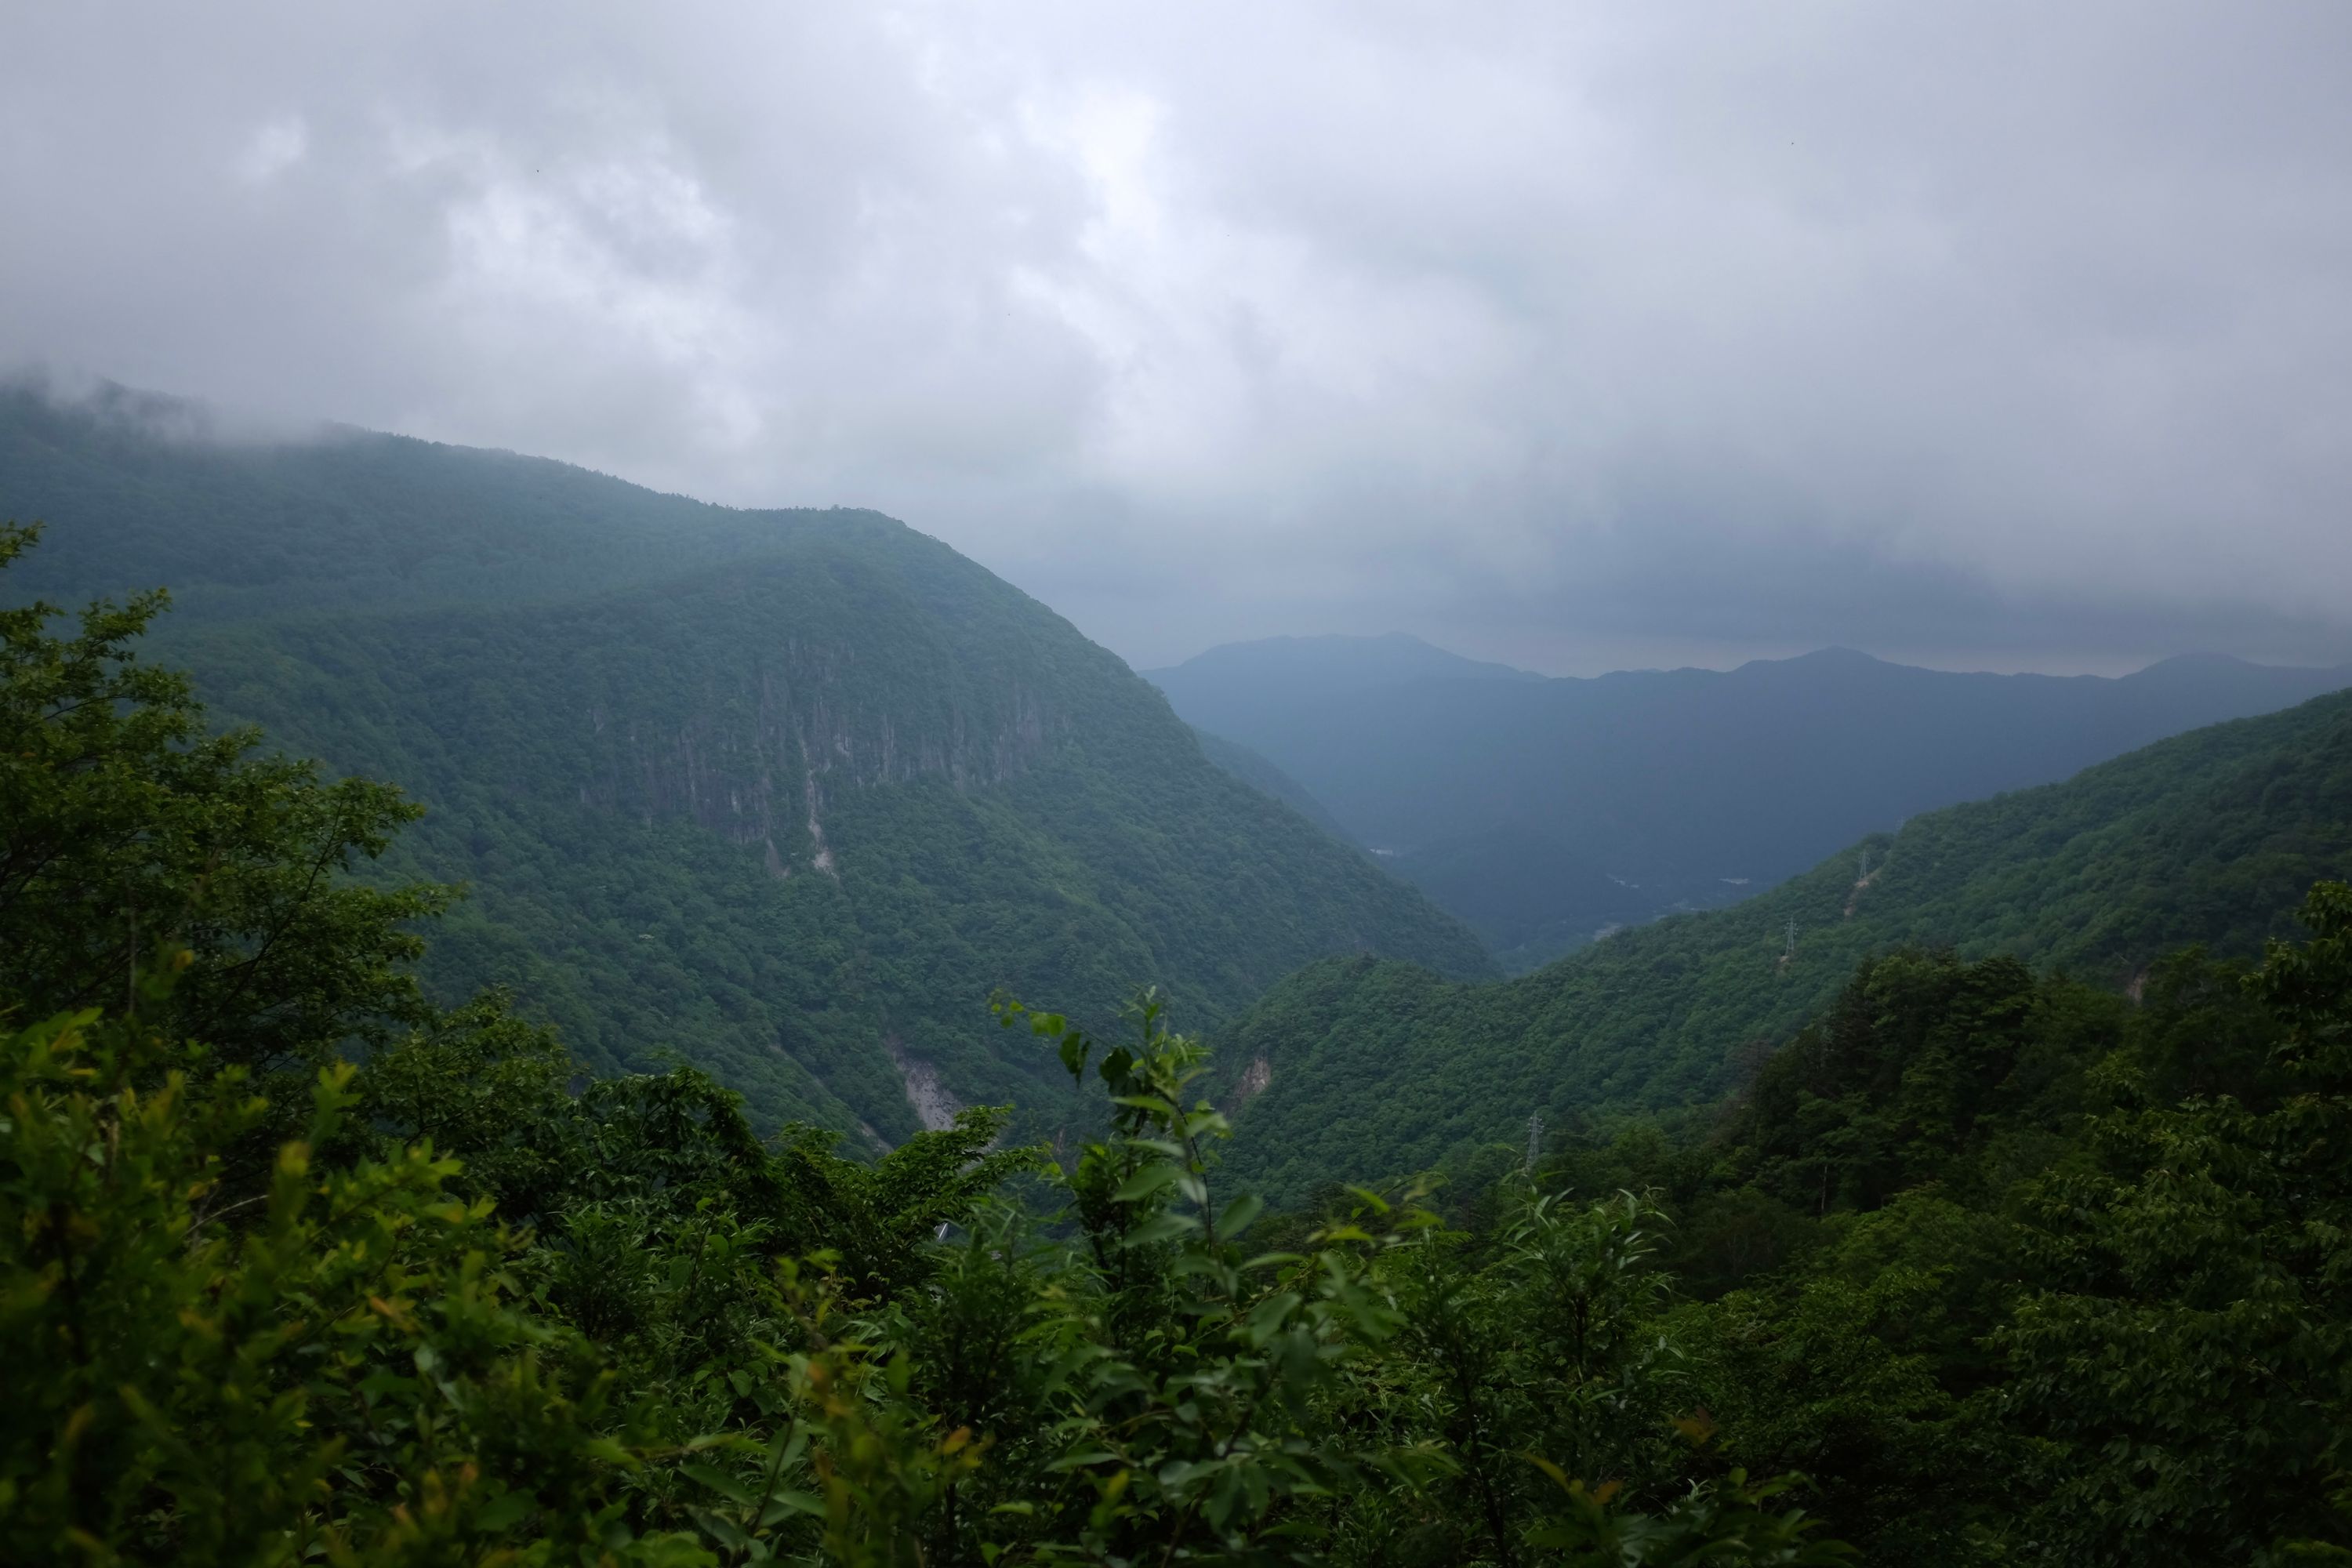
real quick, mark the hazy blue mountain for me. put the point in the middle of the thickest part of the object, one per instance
(789, 792)
(1522, 889)
(1689, 787)
(1240, 690)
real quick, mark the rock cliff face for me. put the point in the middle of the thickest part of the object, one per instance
(934, 1107)
(757, 762)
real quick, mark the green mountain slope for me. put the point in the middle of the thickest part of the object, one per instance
(1381, 1068)
(1266, 779)
(787, 793)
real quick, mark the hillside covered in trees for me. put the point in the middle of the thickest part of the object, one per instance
(1382, 1068)
(1983, 1266)
(787, 793)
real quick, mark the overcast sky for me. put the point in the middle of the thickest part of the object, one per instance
(1982, 334)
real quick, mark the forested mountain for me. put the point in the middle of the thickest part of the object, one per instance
(787, 791)
(1381, 1068)
(1991, 1266)
(1648, 791)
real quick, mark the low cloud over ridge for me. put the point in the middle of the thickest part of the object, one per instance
(1576, 335)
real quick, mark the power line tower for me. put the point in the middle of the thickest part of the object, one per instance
(1790, 952)
(1535, 1141)
(1865, 875)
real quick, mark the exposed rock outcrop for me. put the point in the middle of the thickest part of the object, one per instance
(731, 761)
(935, 1108)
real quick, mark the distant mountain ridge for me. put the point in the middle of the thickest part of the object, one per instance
(2210, 838)
(789, 792)
(1663, 789)
(1302, 665)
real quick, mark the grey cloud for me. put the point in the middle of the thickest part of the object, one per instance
(1569, 333)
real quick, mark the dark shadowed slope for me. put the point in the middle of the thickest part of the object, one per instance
(2212, 838)
(1266, 779)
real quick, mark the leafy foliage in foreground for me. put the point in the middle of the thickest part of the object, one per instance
(121, 818)
(361, 1361)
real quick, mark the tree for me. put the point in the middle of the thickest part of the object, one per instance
(2186, 1355)
(122, 823)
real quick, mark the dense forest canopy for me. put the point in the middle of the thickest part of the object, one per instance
(1985, 1266)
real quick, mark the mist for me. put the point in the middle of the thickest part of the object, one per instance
(1985, 336)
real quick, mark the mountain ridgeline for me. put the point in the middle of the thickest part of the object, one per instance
(789, 792)
(1381, 1068)
(1544, 811)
